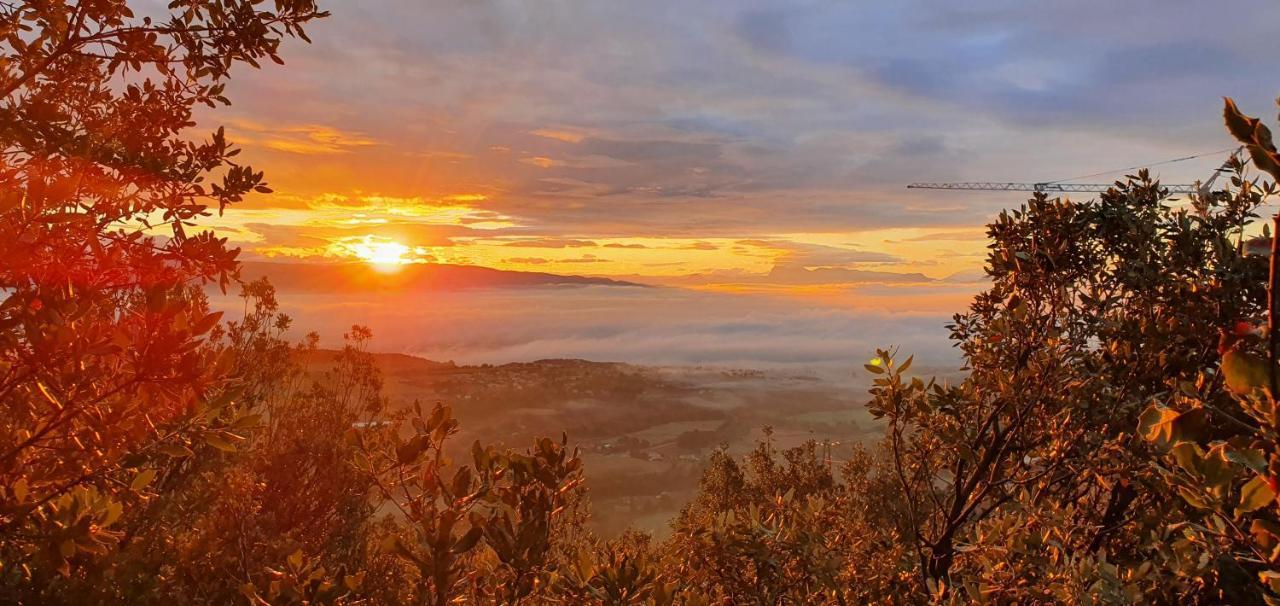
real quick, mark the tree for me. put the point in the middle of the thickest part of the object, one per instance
(104, 364)
(1025, 481)
(1221, 455)
(1095, 309)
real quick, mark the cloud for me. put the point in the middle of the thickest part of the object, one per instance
(964, 235)
(527, 261)
(541, 161)
(565, 135)
(305, 139)
(282, 237)
(549, 243)
(808, 255)
(544, 261)
(588, 258)
(728, 119)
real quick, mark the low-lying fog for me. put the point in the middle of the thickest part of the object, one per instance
(651, 326)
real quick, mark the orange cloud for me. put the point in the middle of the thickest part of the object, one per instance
(305, 139)
(568, 136)
(541, 161)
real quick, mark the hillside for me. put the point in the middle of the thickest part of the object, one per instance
(645, 432)
(347, 278)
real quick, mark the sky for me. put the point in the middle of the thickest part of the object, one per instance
(735, 146)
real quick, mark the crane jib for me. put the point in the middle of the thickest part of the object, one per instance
(1041, 187)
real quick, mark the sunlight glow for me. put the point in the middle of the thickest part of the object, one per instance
(385, 255)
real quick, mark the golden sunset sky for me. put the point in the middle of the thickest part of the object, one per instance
(723, 145)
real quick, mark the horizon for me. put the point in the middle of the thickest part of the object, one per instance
(660, 304)
(758, 149)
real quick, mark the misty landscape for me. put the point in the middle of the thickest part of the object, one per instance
(607, 303)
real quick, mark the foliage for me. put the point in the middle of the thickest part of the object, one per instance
(1114, 438)
(1025, 481)
(486, 530)
(106, 370)
(1222, 454)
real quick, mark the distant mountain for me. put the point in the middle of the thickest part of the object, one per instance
(792, 274)
(319, 278)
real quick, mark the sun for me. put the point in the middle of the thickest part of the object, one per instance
(385, 255)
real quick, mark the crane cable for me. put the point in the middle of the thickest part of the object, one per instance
(1107, 172)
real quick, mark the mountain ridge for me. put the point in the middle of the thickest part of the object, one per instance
(319, 278)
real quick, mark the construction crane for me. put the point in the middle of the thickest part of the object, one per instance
(1062, 186)
(1041, 187)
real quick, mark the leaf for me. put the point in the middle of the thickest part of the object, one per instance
(873, 369)
(461, 484)
(1255, 495)
(48, 396)
(406, 453)
(1193, 498)
(1188, 425)
(206, 323)
(1263, 527)
(1188, 455)
(1166, 426)
(143, 479)
(114, 511)
(220, 442)
(467, 541)
(247, 421)
(1244, 372)
(1239, 125)
(176, 451)
(1249, 457)
(906, 365)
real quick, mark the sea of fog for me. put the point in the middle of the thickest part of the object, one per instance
(650, 326)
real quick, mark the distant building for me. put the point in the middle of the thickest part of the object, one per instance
(370, 424)
(1258, 246)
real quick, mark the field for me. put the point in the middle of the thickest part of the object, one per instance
(644, 432)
